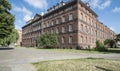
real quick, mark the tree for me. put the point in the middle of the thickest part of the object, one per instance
(117, 38)
(47, 40)
(12, 38)
(100, 46)
(6, 21)
(110, 42)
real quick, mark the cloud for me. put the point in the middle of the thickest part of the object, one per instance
(100, 4)
(105, 4)
(39, 4)
(27, 14)
(112, 28)
(116, 9)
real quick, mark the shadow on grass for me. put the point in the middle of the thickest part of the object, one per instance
(113, 51)
(101, 68)
(6, 48)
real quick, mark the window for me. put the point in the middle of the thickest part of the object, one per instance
(81, 39)
(63, 29)
(86, 40)
(57, 30)
(57, 21)
(70, 39)
(52, 30)
(43, 25)
(81, 27)
(71, 16)
(90, 40)
(63, 40)
(52, 23)
(64, 19)
(48, 24)
(85, 18)
(86, 29)
(89, 21)
(81, 16)
(39, 26)
(70, 28)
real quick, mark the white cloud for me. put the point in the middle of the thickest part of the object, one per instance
(27, 14)
(112, 28)
(100, 4)
(40, 4)
(27, 17)
(117, 9)
(105, 4)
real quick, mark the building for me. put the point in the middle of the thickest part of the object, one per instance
(74, 22)
(19, 41)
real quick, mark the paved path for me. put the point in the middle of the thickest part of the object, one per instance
(19, 59)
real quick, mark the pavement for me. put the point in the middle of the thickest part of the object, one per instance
(20, 59)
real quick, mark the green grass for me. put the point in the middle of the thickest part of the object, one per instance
(73, 51)
(89, 64)
(110, 50)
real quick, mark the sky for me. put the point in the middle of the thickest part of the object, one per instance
(108, 11)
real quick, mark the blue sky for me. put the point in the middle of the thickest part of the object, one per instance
(108, 11)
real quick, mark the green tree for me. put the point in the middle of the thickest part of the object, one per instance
(110, 42)
(47, 40)
(117, 38)
(6, 22)
(100, 46)
(12, 38)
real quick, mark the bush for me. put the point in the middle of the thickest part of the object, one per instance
(47, 40)
(99, 46)
(78, 48)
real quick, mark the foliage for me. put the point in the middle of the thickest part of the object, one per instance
(99, 46)
(6, 22)
(117, 38)
(47, 40)
(110, 42)
(12, 38)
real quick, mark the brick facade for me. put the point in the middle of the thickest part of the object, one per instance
(74, 22)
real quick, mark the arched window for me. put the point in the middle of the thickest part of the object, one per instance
(81, 27)
(81, 16)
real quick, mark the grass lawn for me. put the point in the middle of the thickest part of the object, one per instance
(88, 64)
(110, 50)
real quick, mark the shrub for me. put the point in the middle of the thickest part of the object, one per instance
(78, 47)
(99, 46)
(47, 40)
